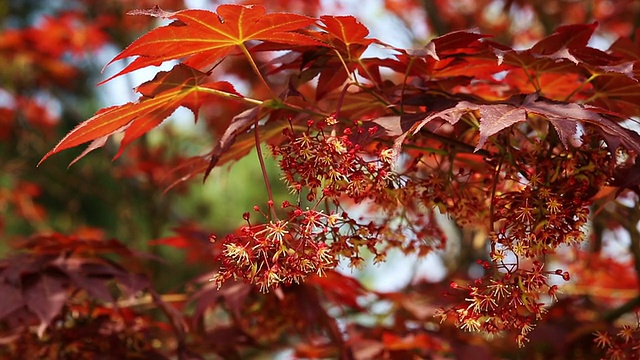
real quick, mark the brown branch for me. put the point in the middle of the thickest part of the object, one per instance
(614, 314)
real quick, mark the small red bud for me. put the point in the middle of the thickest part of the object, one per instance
(256, 208)
(566, 276)
(270, 203)
(246, 216)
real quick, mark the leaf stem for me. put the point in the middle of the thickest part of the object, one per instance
(228, 95)
(263, 168)
(580, 87)
(493, 201)
(404, 83)
(350, 74)
(257, 71)
(614, 314)
(298, 109)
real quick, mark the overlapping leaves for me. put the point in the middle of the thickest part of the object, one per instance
(496, 117)
(460, 75)
(41, 281)
(560, 78)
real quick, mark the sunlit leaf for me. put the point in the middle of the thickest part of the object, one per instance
(202, 37)
(182, 86)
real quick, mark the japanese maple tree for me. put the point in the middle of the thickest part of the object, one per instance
(531, 153)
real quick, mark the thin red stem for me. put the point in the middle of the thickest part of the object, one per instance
(264, 172)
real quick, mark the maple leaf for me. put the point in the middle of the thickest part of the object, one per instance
(457, 54)
(562, 114)
(617, 92)
(233, 295)
(565, 42)
(42, 283)
(452, 115)
(237, 143)
(181, 86)
(495, 117)
(202, 37)
(339, 288)
(348, 38)
(239, 124)
(451, 44)
(45, 295)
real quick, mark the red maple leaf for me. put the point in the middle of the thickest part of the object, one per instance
(202, 37)
(181, 86)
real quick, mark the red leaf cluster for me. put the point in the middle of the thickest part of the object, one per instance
(522, 149)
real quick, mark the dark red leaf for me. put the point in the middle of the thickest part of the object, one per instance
(10, 300)
(95, 283)
(238, 125)
(233, 295)
(559, 113)
(564, 41)
(45, 295)
(453, 43)
(495, 118)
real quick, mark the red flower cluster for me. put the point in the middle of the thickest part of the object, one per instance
(281, 251)
(317, 160)
(511, 300)
(329, 168)
(548, 204)
(625, 344)
(541, 200)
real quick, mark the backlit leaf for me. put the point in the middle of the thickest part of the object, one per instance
(497, 117)
(239, 125)
(181, 86)
(202, 37)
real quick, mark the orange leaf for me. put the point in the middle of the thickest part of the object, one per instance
(203, 37)
(348, 37)
(181, 86)
(347, 30)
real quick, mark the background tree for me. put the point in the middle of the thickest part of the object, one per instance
(524, 142)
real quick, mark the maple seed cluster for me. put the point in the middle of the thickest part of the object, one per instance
(329, 169)
(625, 344)
(285, 251)
(334, 170)
(549, 203)
(542, 198)
(318, 159)
(278, 252)
(503, 301)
